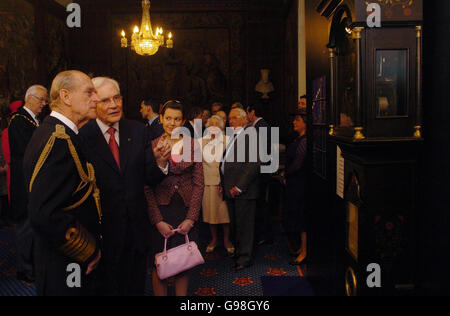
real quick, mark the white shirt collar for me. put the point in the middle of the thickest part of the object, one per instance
(65, 120)
(152, 120)
(257, 121)
(239, 130)
(32, 114)
(104, 128)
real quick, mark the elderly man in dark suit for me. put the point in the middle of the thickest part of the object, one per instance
(239, 172)
(64, 207)
(124, 161)
(21, 128)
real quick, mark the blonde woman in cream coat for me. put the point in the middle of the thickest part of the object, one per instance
(215, 211)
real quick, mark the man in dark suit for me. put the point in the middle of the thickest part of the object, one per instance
(216, 107)
(21, 128)
(237, 105)
(263, 233)
(239, 172)
(124, 161)
(194, 115)
(64, 205)
(150, 113)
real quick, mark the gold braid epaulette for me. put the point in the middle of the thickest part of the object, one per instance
(21, 115)
(77, 238)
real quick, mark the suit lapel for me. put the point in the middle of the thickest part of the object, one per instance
(125, 144)
(231, 147)
(25, 113)
(102, 147)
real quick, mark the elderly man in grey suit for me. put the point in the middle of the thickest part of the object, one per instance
(239, 172)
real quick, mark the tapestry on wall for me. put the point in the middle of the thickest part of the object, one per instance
(17, 63)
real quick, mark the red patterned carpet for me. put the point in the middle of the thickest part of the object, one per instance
(215, 278)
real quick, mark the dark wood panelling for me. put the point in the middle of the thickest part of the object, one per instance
(290, 77)
(241, 37)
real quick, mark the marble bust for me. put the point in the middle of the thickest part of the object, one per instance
(264, 86)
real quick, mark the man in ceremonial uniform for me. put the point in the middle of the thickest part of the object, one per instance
(21, 128)
(122, 155)
(64, 204)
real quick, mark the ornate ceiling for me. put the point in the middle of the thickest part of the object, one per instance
(183, 5)
(64, 2)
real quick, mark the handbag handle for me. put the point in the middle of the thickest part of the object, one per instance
(165, 241)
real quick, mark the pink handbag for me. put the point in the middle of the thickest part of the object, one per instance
(179, 259)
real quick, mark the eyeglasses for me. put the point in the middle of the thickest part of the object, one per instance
(115, 99)
(233, 118)
(41, 100)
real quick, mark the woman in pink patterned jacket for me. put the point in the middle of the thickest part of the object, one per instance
(175, 203)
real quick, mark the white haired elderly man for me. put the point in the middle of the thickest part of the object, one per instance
(22, 126)
(124, 162)
(239, 170)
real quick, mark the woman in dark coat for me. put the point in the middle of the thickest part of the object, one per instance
(295, 175)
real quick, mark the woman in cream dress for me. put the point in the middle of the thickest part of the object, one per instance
(215, 211)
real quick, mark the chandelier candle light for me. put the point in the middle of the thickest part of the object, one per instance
(144, 42)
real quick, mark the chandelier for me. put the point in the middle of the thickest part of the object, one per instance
(143, 41)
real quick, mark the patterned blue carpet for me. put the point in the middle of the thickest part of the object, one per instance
(9, 285)
(271, 275)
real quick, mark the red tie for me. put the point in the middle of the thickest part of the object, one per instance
(113, 146)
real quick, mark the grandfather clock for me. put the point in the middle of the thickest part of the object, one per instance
(376, 123)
